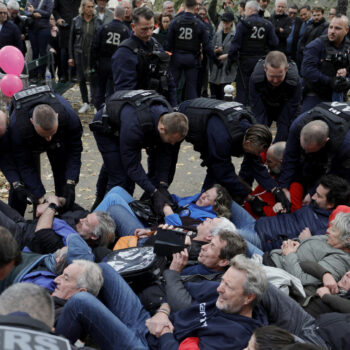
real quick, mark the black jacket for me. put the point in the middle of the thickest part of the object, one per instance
(281, 21)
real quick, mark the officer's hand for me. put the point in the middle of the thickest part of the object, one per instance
(163, 188)
(71, 62)
(158, 201)
(22, 194)
(69, 195)
(257, 206)
(341, 84)
(341, 72)
(281, 197)
(60, 21)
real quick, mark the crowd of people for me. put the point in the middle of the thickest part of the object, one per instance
(231, 267)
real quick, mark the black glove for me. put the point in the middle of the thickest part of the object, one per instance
(69, 195)
(217, 62)
(281, 198)
(158, 202)
(163, 189)
(23, 195)
(340, 84)
(257, 206)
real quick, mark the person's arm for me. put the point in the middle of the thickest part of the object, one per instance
(46, 219)
(272, 38)
(337, 303)
(257, 104)
(236, 42)
(45, 9)
(71, 41)
(313, 54)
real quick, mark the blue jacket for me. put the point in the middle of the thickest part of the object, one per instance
(45, 9)
(189, 209)
(129, 145)
(125, 73)
(69, 142)
(294, 163)
(274, 229)
(215, 329)
(10, 35)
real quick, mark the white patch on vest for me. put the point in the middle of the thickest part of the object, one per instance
(202, 312)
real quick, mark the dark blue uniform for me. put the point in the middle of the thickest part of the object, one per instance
(318, 71)
(254, 35)
(220, 147)
(131, 70)
(122, 154)
(185, 36)
(275, 103)
(64, 149)
(334, 158)
(107, 39)
(10, 35)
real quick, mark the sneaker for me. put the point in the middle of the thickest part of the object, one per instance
(84, 108)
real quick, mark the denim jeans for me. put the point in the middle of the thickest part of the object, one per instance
(116, 319)
(245, 224)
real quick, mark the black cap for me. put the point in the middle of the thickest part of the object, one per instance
(228, 17)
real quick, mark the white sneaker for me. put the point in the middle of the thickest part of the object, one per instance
(84, 108)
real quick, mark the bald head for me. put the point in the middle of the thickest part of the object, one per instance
(274, 157)
(337, 29)
(3, 123)
(314, 136)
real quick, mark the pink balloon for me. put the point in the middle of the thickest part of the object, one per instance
(10, 84)
(11, 60)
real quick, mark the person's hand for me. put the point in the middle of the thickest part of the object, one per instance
(60, 21)
(36, 15)
(179, 261)
(52, 50)
(71, 62)
(53, 199)
(218, 49)
(289, 246)
(69, 194)
(40, 209)
(223, 57)
(287, 193)
(322, 291)
(30, 8)
(167, 210)
(341, 72)
(330, 283)
(305, 234)
(278, 208)
(306, 200)
(142, 232)
(281, 197)
(257, 205)
(158, 201)
(166, 226)
(157, 323)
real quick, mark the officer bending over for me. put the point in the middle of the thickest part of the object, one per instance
(131, 121)
(44, 122)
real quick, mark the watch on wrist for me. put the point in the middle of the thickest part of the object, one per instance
(53, 206)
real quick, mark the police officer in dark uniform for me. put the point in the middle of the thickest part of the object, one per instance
(107, 39)
(186, 35)
(318, 144)
(275, 92)
(140, 61)
(220, 130)
(326, 64)
(131, 121)
(254, 35)
(44, 122)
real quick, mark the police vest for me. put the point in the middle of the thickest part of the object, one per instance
(329, 66)
(141, 100)
(283, 92)
(201, 109)
(111, 36)
(24, 101)
(186, 34)
(152, 67)
(25, 333)
(337, 117)
(254, 42)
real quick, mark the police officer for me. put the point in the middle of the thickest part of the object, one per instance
(186, 35)
(44, 122)
(275, 92)
(253, 36)
(220, 130)
(107, 39)
(318, 144)
(140, 62)
(325, 66)
(131, 121)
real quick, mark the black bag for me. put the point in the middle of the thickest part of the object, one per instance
(143, 209)
(168, 242)
(139, 266)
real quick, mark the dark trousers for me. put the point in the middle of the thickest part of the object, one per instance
(217, 91)
(104, 84)
(39, 40)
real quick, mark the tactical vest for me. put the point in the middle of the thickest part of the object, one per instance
(201, 109)
(337, 117)
(141, 100)
(152, 67)
(186, 34)
(112, 35)
(24, 101)
(254, 42)
(283, 92)
(328, 66)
